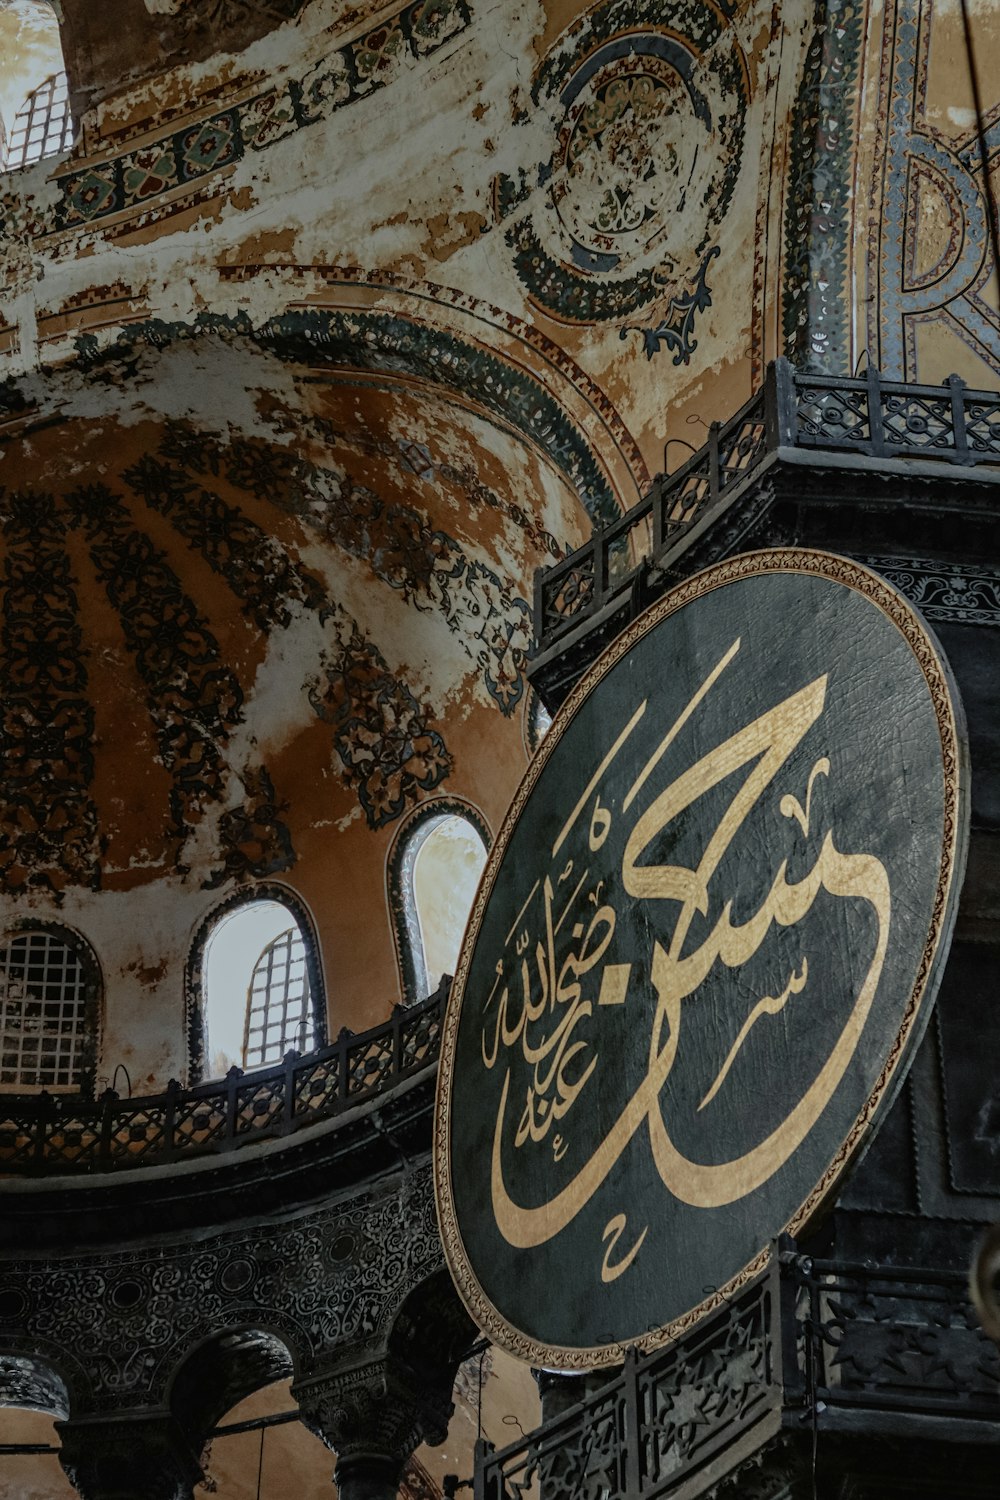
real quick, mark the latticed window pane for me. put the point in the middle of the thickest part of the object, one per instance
(279, 1003)
(43, 127)
(43, 1012)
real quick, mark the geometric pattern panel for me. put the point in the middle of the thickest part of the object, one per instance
(43, 1013)
(929, 257)
(182, 160)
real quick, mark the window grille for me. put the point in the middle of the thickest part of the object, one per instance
(44, 125)
(279, 1003)
(43, 1013)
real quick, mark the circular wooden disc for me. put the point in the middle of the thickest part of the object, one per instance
(702, 953)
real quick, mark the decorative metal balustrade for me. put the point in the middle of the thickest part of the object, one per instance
(882, 419)
(57, 1133)
(885, 1340)
(804, 1343)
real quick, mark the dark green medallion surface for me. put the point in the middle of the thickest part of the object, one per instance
(703, 951)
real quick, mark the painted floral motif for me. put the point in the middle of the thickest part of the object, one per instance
(48, 822)
(252, 840)
(427, 566)
(197, 150)
(649, 127)
(433, 21)
(257, 569)
(148, 172)
(380, 731)
(192, 696)
(379, 55)
(676, 327)
(381, 734)
(268, 118)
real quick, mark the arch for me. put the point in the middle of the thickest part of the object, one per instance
(50, 1009)
(430, 1330)
(266, 994)
(38, 1373)
(33, 1385)
(427, 935)
(221, 1371)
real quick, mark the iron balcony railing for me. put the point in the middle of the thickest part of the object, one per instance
(799, 1348)
(883, 419)
(56, 1133)
(663, 1418)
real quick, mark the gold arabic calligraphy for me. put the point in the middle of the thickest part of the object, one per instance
(560, 1061)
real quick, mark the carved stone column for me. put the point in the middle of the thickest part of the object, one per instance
(131, 1456)
(373, 1416)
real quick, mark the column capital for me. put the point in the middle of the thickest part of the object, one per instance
(129, 1456)
(373, 1411)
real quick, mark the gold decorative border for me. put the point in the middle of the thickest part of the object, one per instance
(951, 726)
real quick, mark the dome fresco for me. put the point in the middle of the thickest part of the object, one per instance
(234, 656)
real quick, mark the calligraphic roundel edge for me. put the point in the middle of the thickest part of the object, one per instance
(701, 955)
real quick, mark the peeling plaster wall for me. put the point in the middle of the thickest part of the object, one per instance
(283, 617)
(453, 182)
(357, 319)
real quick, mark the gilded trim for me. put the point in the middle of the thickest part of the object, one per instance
(950, 721)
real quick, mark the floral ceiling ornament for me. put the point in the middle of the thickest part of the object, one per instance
(648, 141)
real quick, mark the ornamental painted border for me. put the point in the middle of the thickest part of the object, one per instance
(850, 574)
(382, 342)
(139, 180)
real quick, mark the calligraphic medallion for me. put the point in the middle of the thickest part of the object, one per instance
(702, 953)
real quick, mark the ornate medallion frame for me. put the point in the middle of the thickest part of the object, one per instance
(951, 725)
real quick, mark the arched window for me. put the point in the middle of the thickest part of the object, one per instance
(434, 872)
(43, 125)
(48, 1011)
(539, 722)
(35, 119)
(261, 994)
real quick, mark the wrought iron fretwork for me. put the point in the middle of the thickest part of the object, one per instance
(49, 1134)
(804, 1345)
(662, 1419)
(947, 426)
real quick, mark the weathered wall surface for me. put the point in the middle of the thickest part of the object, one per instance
(360, 325)
(612, 181)
(358, 319)
(245, 630)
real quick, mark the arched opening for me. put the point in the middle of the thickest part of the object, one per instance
(261, 993)
(33, 1397)
(433, 877)
(239, 1381)
(539, 722)
(49, 1011)
(35, 119)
